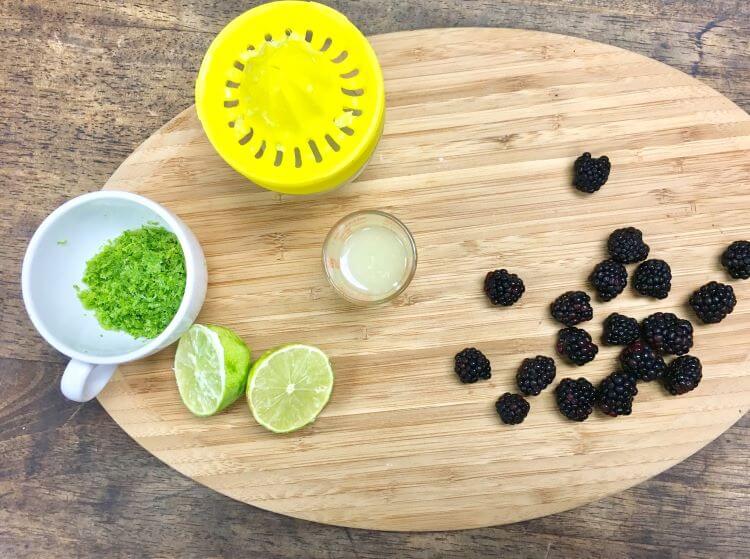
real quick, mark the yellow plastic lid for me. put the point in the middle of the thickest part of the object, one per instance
(291, 95)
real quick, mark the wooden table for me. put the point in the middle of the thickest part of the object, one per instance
(81, 85)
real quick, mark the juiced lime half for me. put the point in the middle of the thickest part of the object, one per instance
(211, 367)
(289, 386)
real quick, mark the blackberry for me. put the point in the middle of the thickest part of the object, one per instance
(620, 330)
(576, 346)
(736, 259)
(503, 288)
(471, 365)
(575, 398)
(590, 173)
(615, 394)
(668, 333)
(642, 361)
(534, 375)
(713, 302)
(512, 408)
(609, 279)
(626, 245)
(572, 307)
(683, 375)
(653, 278)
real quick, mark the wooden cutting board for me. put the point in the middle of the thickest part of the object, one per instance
(482, 129)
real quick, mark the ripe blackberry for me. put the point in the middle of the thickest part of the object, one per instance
(713, 302)
(620, 330)
(653, 278)
(534, 375)
(683, 375)
(575, 398)
(736, 259)
(471, 365)
(642, 361)
(668, 333)
(512, 408)
(626, 245)
(590, 173)
(503, 288)
(615, 394)
(572, 307)
(609, 279)
(576, 346)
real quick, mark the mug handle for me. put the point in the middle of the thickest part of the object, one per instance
(83, 381)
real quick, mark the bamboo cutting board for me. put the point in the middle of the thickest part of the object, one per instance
(482, 129)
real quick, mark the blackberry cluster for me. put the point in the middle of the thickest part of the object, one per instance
(576, 345)
(645, 344)
(609, 279)
(626, 245)
(615, 394)
(668, 333)
(572, 307)
(683, 375)
(512, 408)
(713, 302)
(653, 278)
(590, 173)
(535, 374)
(736, 259)
(575, 398)
(471, 365)
(503, 288)
(620, 330)
(641, 361)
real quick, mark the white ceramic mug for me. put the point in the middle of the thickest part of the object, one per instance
(55, 261)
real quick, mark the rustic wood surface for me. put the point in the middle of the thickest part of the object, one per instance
(82, 86)
(475, 158)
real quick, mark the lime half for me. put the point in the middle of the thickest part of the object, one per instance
(289, 386)
(211, 367)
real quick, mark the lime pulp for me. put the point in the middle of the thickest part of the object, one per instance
(289, 386)
(211, 368)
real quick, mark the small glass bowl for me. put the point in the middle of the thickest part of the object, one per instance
(338, 245)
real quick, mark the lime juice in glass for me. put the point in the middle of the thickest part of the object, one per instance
(369, 257)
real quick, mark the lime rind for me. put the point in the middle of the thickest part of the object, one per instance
(211, 368)
(237, 360)
(289, 386)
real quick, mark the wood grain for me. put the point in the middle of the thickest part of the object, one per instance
(481, 131)
(98, 78)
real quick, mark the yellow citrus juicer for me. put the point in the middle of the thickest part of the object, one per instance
(291, 95)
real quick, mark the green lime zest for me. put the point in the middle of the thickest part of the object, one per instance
(136, 282)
